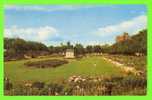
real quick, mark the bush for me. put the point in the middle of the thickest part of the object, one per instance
(77, 85)
(8, 85)
(133, 82)
(38, 85)
(55, 89)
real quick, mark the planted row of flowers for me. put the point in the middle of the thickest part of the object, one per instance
(79, 85)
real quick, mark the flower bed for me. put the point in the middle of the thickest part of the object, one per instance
(46, 63)
(79, 85)
(133, 61)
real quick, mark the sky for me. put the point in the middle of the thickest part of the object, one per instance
(85, 24)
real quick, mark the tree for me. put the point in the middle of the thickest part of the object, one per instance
(105, 48)
(51, 49)
(97, 49)
(17, 48)
(136, 43)
(69, 46)
(89, 49)
(79, 49)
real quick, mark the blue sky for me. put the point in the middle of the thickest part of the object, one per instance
(86, 24)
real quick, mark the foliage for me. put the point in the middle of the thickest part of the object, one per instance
(98, 85)
(7, 84)
(79, 49)
(135, 44)
(38, 85)
(55, 89)
(16, 48)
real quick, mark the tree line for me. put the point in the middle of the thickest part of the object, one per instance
(16, 47)
(135, 44)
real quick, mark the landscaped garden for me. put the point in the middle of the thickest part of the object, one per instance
(90, 75)
(32, 68)
(68, 50)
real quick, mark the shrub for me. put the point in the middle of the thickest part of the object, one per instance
(78, 85)
(55, 89)
(38, 85)
(8, 85)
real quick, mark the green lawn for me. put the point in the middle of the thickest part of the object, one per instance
(87, 66)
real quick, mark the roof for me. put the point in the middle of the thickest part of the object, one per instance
(69, 50)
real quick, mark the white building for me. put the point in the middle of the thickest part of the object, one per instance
(69, 53)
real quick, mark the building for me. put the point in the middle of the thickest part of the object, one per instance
(122, 38)
(69, 53)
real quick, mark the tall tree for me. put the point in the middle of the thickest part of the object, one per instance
(79, 49)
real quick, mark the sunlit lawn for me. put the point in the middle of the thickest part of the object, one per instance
(17, 72)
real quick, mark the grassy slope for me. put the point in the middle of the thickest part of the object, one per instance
(17, 71)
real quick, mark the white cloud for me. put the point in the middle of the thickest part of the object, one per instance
(132, 26)
(36, 34)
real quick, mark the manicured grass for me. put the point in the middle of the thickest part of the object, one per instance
(87, 66)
